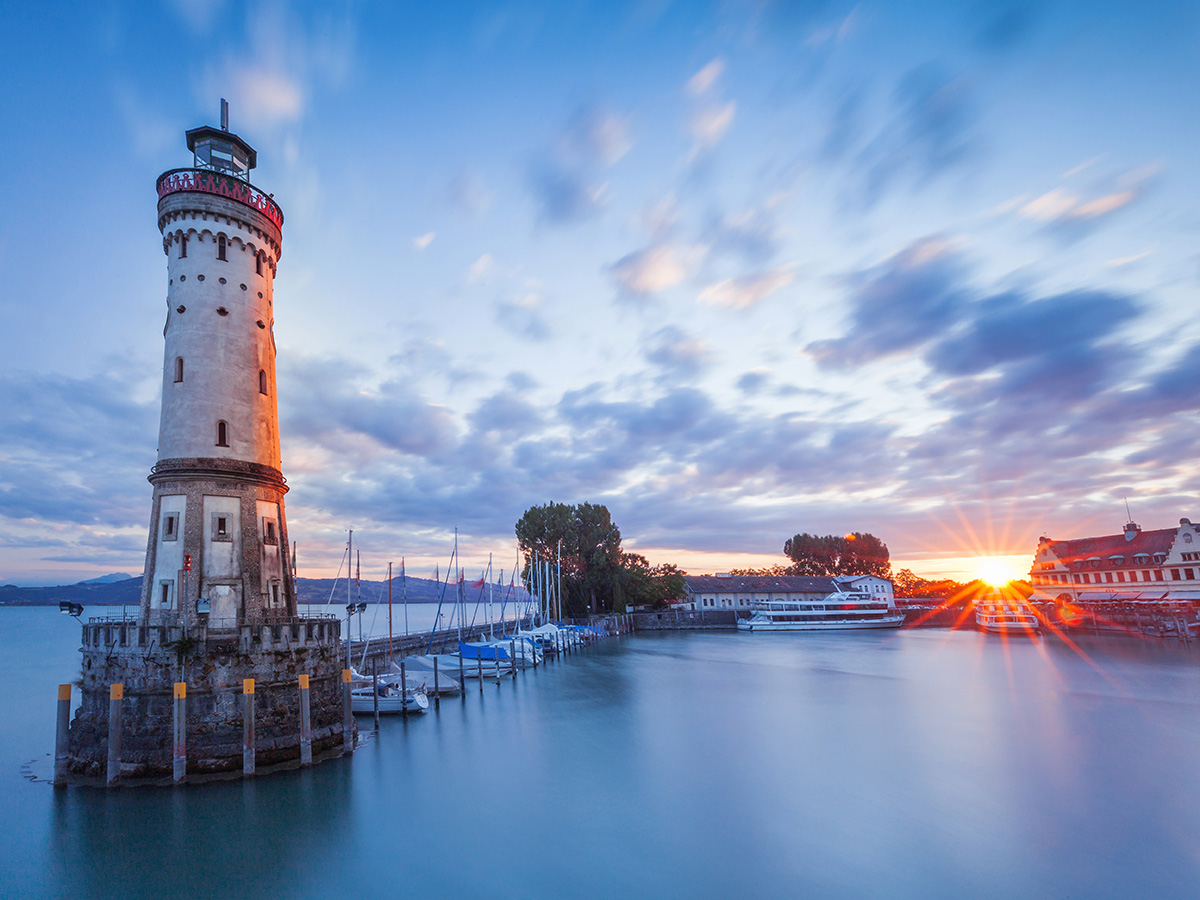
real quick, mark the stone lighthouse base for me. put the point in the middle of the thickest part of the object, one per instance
(148, 660)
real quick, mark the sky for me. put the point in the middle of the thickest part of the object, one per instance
(736, 270)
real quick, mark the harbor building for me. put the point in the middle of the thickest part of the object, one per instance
(737, 592)
(1161, 566)
(218, 603)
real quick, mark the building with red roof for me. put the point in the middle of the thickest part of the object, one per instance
(1160, 565)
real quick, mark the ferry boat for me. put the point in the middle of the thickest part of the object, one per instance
(1006, 615)
(841, 610)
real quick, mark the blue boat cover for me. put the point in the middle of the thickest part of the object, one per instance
(481, 651)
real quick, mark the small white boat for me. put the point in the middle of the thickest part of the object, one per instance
(418, 672)
(391, 700)
(839, 611)
(999, 614)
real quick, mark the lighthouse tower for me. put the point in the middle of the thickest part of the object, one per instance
(218, 547)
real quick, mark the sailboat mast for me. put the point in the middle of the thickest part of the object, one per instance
(491, 626)
(457, 585)
(389, 611)
(404, 591)
(558, 585)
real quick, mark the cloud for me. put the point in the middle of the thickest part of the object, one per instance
(674, 349)
(752, 235)
(567, 183)
(424, 240)
(521, 314)
(902, 303)
(1071, 213)
(702, 82)
(746, 291)
(653, 270)
(595, 137)
(480, 269)
(709, 124)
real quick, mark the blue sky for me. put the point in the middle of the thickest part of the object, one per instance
(736, 270)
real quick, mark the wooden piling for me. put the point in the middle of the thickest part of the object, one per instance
(478, 669)
(512, 655)
(437, 693)
(375, 690)
(347, 714)
(61, 732)
(305, 724)
(179, 744)
(462, 679)
(404, 689)
(116, 692)
(248, 726)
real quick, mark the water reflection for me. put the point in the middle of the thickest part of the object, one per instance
(912, 764)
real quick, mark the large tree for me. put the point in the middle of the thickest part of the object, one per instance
(832, 554)
(588, 543)
(597, 575)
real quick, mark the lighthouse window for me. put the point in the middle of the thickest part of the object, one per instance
(220, 528)
(222, 434)
(183, 248)
(258, 264)
(262, 381)
(170, 527)
(164, 588)
(268, 531)
(178, 369)
(220, 246)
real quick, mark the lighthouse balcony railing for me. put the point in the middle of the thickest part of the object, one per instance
(210, 181)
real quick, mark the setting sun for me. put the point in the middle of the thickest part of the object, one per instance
(997, 570)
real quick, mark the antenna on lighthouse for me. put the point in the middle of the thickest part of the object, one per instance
(224, 114)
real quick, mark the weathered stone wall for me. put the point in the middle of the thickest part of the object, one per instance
(213, 674)
(675, 619)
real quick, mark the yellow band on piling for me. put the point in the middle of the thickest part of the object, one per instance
(247, 685)
(116, 692)
(180, 690)
(304, 682)
(64, 692)
(345, 676)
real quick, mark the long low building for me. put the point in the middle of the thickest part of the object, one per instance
(736, 592)
(1160, 566)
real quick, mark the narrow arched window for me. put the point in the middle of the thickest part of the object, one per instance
(183, 247)
(258, 263)
(262, 381)
(220, 246)
(178, 369)
(222, 434)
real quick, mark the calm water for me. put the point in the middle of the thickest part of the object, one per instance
(918, 764)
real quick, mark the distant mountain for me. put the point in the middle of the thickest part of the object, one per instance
(93, 593)
(109, 579)
(107, 591)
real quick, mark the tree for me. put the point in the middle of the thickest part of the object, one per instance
(597, 575)
(851, 554)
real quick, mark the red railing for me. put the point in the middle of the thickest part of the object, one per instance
(206, 181)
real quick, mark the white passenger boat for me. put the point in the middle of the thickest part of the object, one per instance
(391, 700)
(841, 610)
(1005, 615)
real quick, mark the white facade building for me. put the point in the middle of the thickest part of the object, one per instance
(736, 592)
(1161, 565)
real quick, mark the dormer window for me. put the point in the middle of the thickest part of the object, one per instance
(1116, 559)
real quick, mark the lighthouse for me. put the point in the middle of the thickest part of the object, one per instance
(218, 547)
(219, 671)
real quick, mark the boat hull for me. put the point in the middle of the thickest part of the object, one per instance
(364, 704)
(838, 625)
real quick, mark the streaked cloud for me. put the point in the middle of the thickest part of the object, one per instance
(746, 291)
